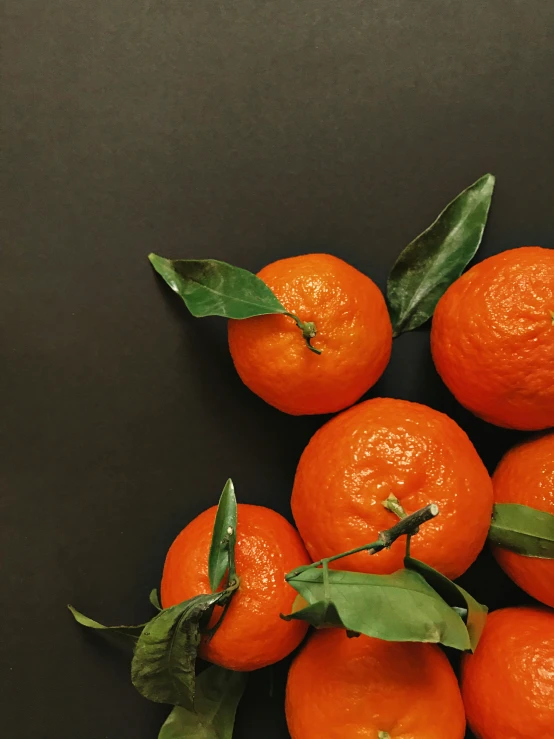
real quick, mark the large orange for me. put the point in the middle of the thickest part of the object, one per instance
(493, 338)
(526, 476)
(508, 684)
(252, 634)
(354, 335)
(364, 688)
(384, 446)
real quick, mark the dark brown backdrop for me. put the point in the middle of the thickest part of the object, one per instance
(242, 130)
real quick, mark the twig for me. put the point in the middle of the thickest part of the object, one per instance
(407, 526)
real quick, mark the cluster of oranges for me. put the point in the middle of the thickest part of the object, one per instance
(492, 341)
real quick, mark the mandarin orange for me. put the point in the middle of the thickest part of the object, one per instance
(252, 634)
(362, 688)
(382, 447)
(354, 335)
(508, 684)
(525, 476)
(492, 338)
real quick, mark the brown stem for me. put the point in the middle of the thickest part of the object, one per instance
(407, 526)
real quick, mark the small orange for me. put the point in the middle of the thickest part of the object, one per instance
(252, 634)
(341, 688)
(493, 338)
(526, 476)
(508, 684)
(383, 446)
(354, 334)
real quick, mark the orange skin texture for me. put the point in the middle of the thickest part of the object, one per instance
(384, 446)
(508, 684)
(492, 339)
(341, 688)
(526, 476)
(252, 634)
(354, 333)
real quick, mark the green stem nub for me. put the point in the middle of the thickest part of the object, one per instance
(309, 331)
(384, 735)
(393, 505)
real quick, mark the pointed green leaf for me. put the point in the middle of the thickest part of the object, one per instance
(437, 257)
(163, 667)
(154, 598)
(397, 607)
(223, 537)
(132, 632)
(213, 288)
(522, 529)
(218, 693)
(473, 613)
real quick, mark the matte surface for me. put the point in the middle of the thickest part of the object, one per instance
(243, 131)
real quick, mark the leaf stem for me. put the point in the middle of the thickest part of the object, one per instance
(309, 331)
(230, 590)
(407, 526)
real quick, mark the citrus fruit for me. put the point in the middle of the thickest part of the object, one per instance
(525, 476)
(354, 335)
(493, 338)
(358, 688)
(252, 634)
(383, 447)
(508, 684)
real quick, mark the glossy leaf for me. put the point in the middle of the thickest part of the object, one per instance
(437, 257)
(163, 667)
(213, 288)
(131, 632)
(218, 693)
(523, 530)
(473, 613)
(397, 607)
(223, 537)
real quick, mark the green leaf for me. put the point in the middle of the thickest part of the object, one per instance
(437, 257)
(155, 599)
(163, 667)
(213, 288)
(522, 529)
(397, 607)
(321, 614)
(473, 613)
(223, 537)
(218, 693)
(131, 632)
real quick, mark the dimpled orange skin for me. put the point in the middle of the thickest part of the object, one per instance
(384, 446)
(252, 634)
(354, 333)
(341, 688)
(508, 684)
(492, 339)
(526, 476)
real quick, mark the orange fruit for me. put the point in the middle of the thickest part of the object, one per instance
(383, 446)
(508, 684)
(341, 688)
(493, 338)
(252, 634)
(354, 334)
(526, 476)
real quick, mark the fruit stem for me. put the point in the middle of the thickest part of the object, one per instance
(393, 505)
(384, 735)
(309, 331)
(407, 526)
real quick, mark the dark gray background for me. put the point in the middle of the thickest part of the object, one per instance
(242, 130)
